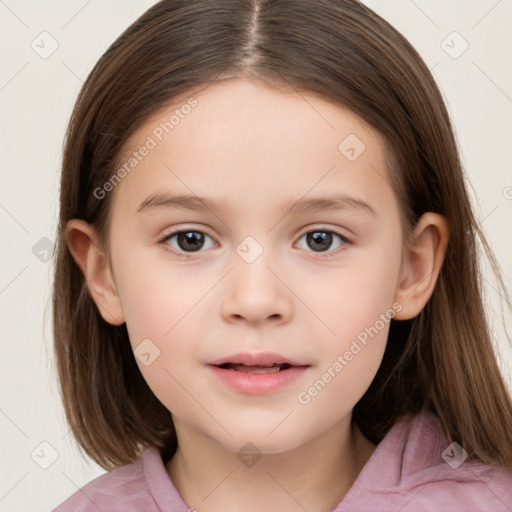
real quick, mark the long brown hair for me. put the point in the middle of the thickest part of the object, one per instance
(441, 361)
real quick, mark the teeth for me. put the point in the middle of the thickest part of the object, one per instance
(255, 369)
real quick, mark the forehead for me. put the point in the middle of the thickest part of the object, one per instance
(249, 144)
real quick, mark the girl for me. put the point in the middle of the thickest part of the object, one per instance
(267, 293)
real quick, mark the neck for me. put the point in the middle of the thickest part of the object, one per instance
(315, 476)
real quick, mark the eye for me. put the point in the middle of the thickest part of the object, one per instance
(190, 241)
(321, 239)
(187, 241)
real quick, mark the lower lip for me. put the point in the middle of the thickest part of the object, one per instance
(258, 383)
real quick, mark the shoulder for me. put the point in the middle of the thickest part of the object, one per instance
(437, 474)
(414, 468)
(122, 489)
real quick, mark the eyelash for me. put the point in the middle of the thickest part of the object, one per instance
(163, 241)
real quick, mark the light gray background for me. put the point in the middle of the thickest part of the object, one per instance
(36, 99)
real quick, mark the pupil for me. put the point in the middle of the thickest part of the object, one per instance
(190, 240)
(320, 240)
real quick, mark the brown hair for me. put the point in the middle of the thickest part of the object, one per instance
(441, 361)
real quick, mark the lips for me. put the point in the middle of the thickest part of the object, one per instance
(263, 360)
(257, 374)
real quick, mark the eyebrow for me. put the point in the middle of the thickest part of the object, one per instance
(303, 205)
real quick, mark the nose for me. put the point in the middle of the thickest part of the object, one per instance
(257, 292)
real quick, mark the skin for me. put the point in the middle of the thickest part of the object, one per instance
(253, 149)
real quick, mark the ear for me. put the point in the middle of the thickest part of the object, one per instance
(422, 262)
(92, 259)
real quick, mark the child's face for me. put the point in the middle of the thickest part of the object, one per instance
(256, 284)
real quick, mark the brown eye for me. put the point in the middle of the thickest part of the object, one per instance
(321, 240)
(190, 240)
(186, 241)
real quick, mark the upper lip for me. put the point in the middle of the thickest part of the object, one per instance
(262, 359)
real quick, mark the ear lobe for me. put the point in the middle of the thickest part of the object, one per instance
(93, 262)
(422, 263)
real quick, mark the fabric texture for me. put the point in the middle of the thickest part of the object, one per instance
(406, 473)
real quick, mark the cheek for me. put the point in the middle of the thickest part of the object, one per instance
(158, 297)
(349, 358)
(357, 296)
(162, 306)
(357, 309)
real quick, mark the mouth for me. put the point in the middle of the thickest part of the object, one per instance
(257, 373)
(255, 368)
(256, 363)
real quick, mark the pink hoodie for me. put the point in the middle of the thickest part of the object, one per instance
(407, 472)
